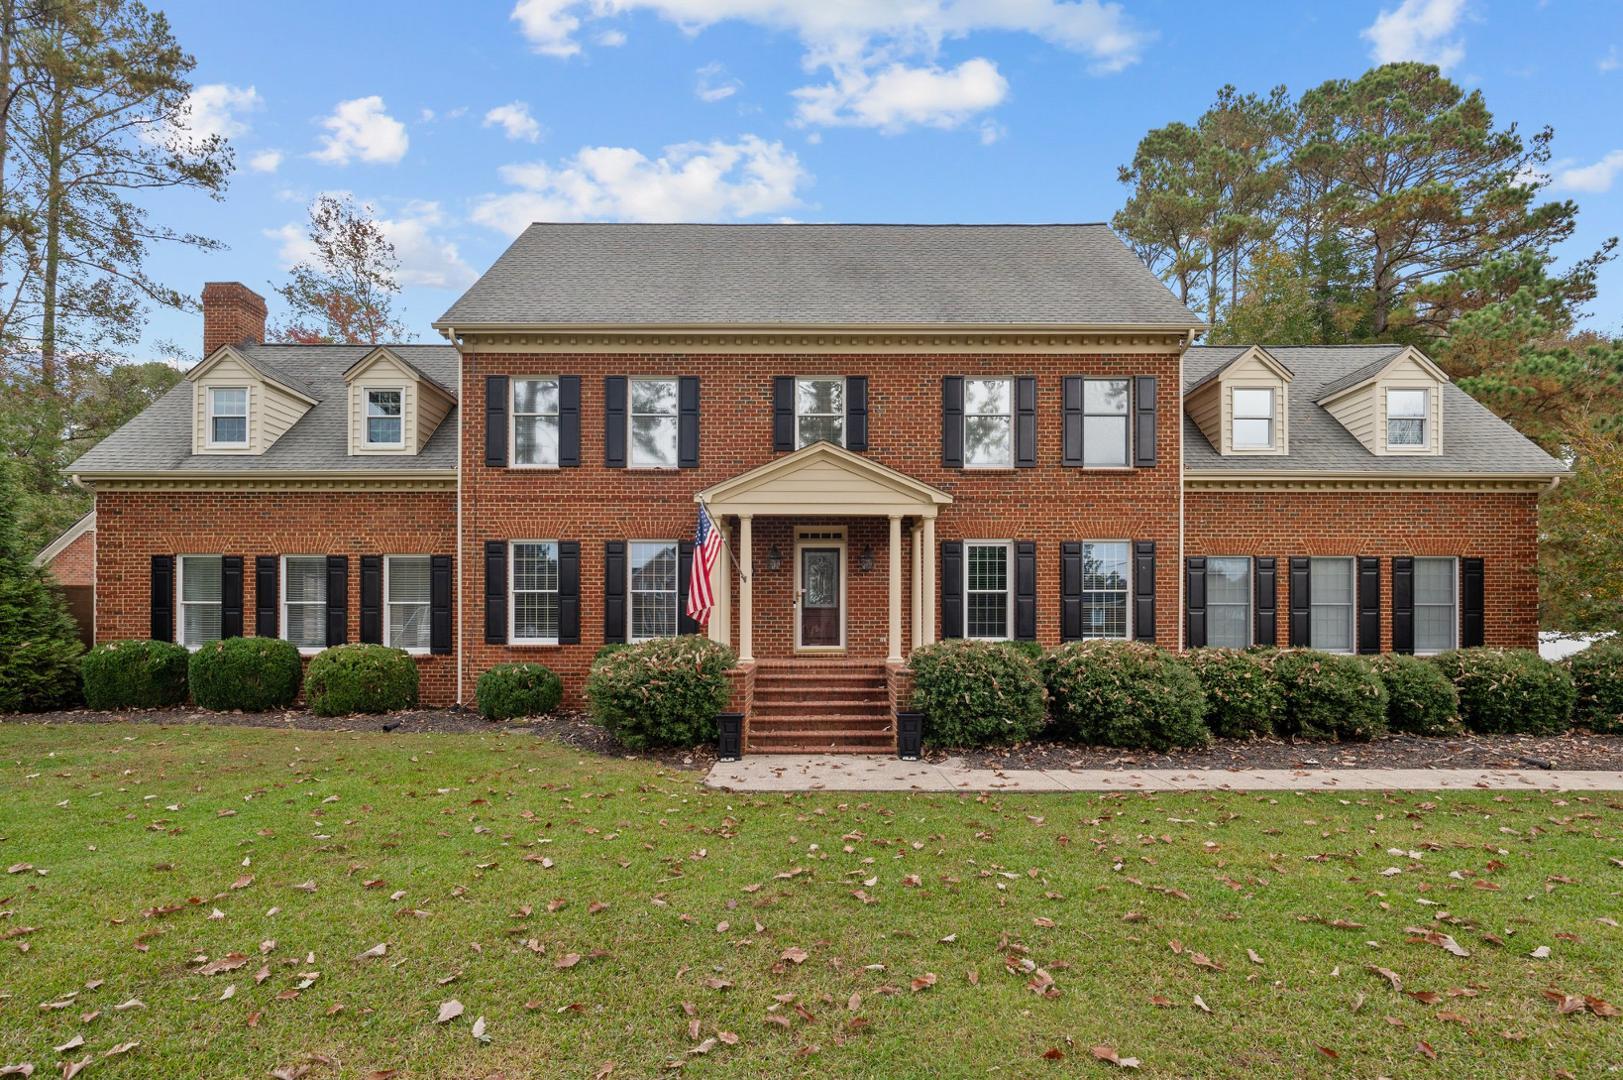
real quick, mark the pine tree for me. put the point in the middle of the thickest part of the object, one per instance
(39, 644)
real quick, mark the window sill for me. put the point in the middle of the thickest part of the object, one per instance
(526, 467)
(531, 643)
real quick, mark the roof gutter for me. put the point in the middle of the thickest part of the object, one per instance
(1185, 330)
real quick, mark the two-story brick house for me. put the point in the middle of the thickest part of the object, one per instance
(905, 432)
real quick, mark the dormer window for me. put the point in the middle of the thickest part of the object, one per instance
(385, 418)
(1406, 412)
(1253, 418)
(227, 417)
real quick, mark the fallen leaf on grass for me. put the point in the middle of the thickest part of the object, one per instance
(479, 1032)
(72, 1044)
(120, 1049)
(924, 982)
(74, 1068)
(794, 954)
(380, 949)
(25, 1069)
(229, 962)
(1432, 937)
(1053, 1053)
(1389, 975)
(1108, 1054)
(449, 1010)
(568, 960)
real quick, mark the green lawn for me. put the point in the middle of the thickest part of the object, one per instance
(156, 850)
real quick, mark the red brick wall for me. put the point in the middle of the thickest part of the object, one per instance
(232, 314)
(134, 526)
(76, 563)
(1049, 504)
(1500, 528)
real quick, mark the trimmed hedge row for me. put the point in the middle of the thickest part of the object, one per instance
(663, 692)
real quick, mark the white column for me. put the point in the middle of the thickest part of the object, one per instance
(913, 600)
(927, 588)
(746, 585)
(721, 588)
(895, 589)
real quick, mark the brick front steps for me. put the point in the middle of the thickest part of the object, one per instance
(820, 706)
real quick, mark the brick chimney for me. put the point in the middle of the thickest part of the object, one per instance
(233, 314)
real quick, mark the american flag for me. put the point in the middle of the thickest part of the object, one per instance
(706, 547)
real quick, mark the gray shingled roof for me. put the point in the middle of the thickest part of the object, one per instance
(160, 438)
(1475, 442)
(817, 275)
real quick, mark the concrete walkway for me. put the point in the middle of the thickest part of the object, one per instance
(857, 772)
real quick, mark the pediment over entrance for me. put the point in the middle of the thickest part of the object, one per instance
(824, 480)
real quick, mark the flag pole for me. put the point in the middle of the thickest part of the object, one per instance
(725, 543)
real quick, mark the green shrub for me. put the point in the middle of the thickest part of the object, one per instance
(349, 679)
(251, 674)
(609, 649)
(664, 692)
(1328, 696)
(135, 675)
(976, 693)
(1243, 699)
(1125, 693)
(39, 643)
(1029, 649)
(1509, 691)
(509, 691)
(1419, 698)
(1597, 675)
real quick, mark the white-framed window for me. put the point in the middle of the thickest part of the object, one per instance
(532, 610)
(1436, 606)
(1406, 415)
(304, 600)
(653, 423)
(988, 599)
(198, 590)
(1106, 579)
(385, 417)
(407, 599)
(819, 410)
(1330, 616)
(1228, 602)
(227, 416)
(535, 423)
(1253, 418)
(652, 588)
(1104, 423)
(989, 423)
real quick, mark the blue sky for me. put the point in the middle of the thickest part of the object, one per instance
(459, 123)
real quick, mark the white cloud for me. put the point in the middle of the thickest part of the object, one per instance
(266, 161)
(1593, 179)
(1610, 62)
(514, 118)
(714, 84)
(611, 39)
(362, 129)
(715, 181)
(897, 97)
(1421, 30)
(426, 258)
(548, 25)
(213, 109)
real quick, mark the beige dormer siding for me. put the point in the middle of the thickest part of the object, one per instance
(1361, 409)
(271, 409)
(1211, 406)
(423, 404)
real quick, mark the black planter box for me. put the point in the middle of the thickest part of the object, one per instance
(730, 744)
(909, 735)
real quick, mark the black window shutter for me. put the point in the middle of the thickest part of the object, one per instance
(614, 591)
(1070, 591)
(337, 599)
(495, 592)
(439, 605)
(856, 412)
(1144, 421)
(687, 422)
(1025, 423)
(1369, 604)
(1266, 574)
(1072, 450)
(684, 570)
(1403, 604)
(231, 596)
(1144, 590)
(163, 598)
(614, 421)
(1301, 593)
(952, 423)
(783, 412)
(569, 421)
(952, 588)
(496, 421)
(266, 587)
(372, 599)
(1473, 609)
(1025, 590)
(569, 592)
(1195, 602)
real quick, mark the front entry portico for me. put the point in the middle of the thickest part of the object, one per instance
(819, 483)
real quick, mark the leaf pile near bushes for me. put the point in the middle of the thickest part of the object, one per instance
(510, 691)
(1597, 675)
(135, 675)
(1243, 699)
(1505, 691)
(251, 674)
(1125, 693)
(349, 679)
(977, 693)
(664, 692)
(1420, 700)
(1330, 696)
